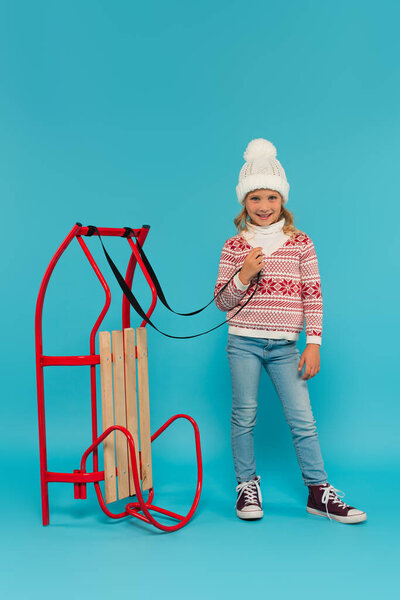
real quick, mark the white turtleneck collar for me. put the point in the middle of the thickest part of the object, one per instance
(266, 229)
(269, 237)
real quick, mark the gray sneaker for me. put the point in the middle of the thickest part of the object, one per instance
(249, 500)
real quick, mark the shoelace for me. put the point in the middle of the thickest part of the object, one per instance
(330, 493)
(251, 490)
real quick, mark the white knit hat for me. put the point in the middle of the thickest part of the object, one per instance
(261, 170)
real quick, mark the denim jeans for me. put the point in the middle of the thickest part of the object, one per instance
(280, 359)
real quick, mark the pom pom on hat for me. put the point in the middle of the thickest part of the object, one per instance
(259, 147)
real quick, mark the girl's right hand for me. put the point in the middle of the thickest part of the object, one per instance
(253, 263)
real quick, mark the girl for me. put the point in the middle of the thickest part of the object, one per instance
(265, 332)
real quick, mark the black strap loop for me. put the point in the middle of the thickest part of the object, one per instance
(127, 232)
(91, 230)
(135, 304)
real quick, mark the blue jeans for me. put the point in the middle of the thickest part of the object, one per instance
(280, 358)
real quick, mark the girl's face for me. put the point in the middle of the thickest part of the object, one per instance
(263, 206)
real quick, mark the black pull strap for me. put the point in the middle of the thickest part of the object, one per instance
(133, 301)
(157, 285)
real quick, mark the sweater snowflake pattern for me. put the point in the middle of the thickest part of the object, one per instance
(289, 291)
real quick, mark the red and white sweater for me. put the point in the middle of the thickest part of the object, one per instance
(289, 288)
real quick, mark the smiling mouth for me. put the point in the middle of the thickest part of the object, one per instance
(264, 216)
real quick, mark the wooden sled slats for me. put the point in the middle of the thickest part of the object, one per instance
(120, 413)
(119, 367)
(107, 415)
(131, 397)
(144, 407)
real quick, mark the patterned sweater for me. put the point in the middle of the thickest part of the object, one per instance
(289, 288)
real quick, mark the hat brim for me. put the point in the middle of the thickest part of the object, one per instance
(262, 181)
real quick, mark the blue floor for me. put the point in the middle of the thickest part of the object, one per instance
(288, 553)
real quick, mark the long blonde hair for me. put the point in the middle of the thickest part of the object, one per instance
(289, 228)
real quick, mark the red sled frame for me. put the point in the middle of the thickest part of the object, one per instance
(80, 478)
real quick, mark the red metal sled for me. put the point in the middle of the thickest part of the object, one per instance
(80, 477)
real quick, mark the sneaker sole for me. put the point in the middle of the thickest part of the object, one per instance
(254, 514)
(351, 519)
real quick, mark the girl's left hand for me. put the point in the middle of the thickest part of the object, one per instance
(311, 359)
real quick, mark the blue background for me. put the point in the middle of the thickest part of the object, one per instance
(129, 113)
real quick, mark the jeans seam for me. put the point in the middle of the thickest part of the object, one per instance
(306, 482)
(316, 483)
(284, 410)
(234, 453)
